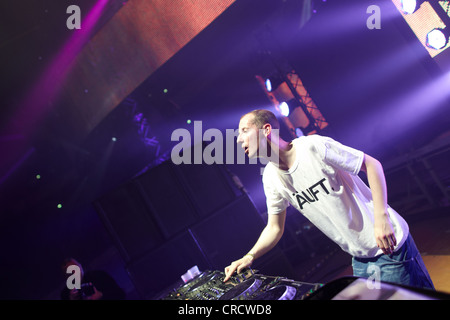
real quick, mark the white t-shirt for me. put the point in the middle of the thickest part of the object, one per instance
(323, 184)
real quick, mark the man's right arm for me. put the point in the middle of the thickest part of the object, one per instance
(269, 237)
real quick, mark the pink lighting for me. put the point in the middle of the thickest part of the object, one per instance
(37, 103)
(43, 94)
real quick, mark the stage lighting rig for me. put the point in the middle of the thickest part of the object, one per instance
(430, 22)
(411, 6)
(285, 89)
(273, 82)
(437, 38)
(286, 107)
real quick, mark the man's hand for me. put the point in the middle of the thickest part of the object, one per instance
(384, 234)
(267, 240)
(237, 266)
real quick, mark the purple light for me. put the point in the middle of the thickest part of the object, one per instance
(405, 114)
(40, 98)
(37, 102)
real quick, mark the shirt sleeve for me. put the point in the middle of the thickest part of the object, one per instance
(340, 156)
(274, 200)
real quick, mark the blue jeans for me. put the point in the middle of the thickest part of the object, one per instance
(405, 266)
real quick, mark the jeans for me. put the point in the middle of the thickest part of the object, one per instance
(405, 266)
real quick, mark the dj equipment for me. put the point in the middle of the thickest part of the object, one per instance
(247, 285)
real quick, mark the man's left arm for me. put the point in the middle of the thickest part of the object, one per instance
(384, 232)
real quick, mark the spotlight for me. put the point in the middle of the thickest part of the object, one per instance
(437, 38)
(299, 132)
(273, 82)
(268, 85)
(284, 108)
(411, 6)
(287, 106)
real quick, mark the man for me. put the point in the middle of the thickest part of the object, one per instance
(319, 177)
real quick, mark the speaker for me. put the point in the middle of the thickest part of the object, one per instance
(208, 186)
(275, 262)
(166, 198)
(180, 195)
(158, 269)
(229, 233)
(128, 221)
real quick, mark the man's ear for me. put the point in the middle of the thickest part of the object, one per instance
(267, 129)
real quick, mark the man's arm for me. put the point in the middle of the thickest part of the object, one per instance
(269, 237)
(384, 233)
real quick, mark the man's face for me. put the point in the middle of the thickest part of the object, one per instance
(249, 136)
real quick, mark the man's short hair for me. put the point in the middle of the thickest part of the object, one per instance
(262, 116)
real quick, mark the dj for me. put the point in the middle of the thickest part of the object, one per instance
(319, 177)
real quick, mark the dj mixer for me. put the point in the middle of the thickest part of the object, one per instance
(247, 285)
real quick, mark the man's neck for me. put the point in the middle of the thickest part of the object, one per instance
(285, 156)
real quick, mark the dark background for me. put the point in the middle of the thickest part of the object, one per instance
(378, 89)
